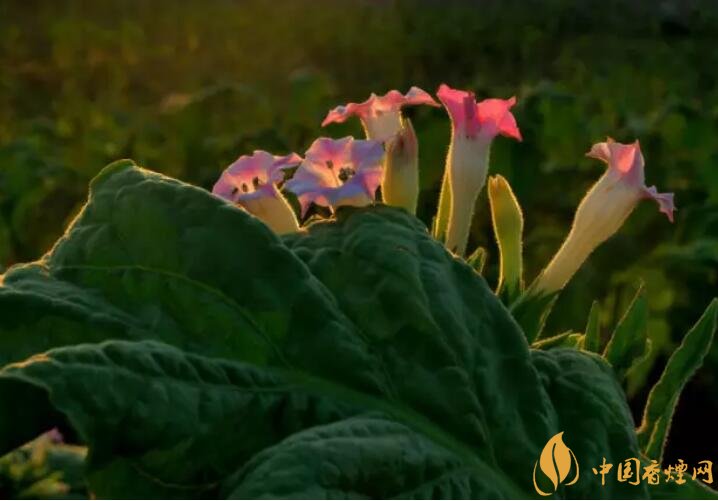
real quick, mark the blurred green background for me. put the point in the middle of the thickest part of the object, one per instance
(186, 87)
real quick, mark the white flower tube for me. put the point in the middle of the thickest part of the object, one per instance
(473, 128)
(602, 211)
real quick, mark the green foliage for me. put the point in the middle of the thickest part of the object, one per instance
(564, 340)
(663, 398)
(197, 354)
(531, 311)
(477, 259)
(188, 91)
(582, 385)
(629, 341)
(84, 84)
(592, 341)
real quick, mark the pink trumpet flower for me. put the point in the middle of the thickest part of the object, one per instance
(626, 168)
(338, 172)
(380, 115)
(603, 210)
(473, 128)
(251, 182)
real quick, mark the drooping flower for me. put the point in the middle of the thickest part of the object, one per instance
(380, 115)
(338, 172)
(473, 128)
(603, 210)
(251, 182)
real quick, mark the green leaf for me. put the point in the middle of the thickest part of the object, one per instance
(594, 417)
(592, 341)
(567, 339)
(234, 353)
(531, 311)
(663, 398)
(629, 339)
(508, 223)
(477, 260)
(692, 489)
(148, 253)
(155, 415)
(395, 283)
(365, 453)
(640, 365)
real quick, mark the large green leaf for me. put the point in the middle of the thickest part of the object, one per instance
(594, 416)
(175, 424)
(365, 454)
(359, 354)
(436, 326)
(151, 257)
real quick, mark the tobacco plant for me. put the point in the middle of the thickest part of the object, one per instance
(298, 332)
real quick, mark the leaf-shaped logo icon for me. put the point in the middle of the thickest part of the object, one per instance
(555, 463)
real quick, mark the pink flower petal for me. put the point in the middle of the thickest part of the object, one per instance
(626, 157)
(600, 151)
(260, 192)
(341, 113)
(225, 188)
(325, 150)
(366, 154)
(458, 103)
(495, 113)
(419, 96)
(369, 179)
(306, 200)
(664, 200)
(350, 192)
(249, 172)
(391, 101)
(489, 117)
(334, 168)
(626, 161)
(276, 171)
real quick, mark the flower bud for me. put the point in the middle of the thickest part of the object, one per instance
(400, 185)
(508, 223)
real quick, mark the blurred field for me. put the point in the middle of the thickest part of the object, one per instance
(186, 87)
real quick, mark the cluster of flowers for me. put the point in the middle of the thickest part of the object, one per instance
(348, 171)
